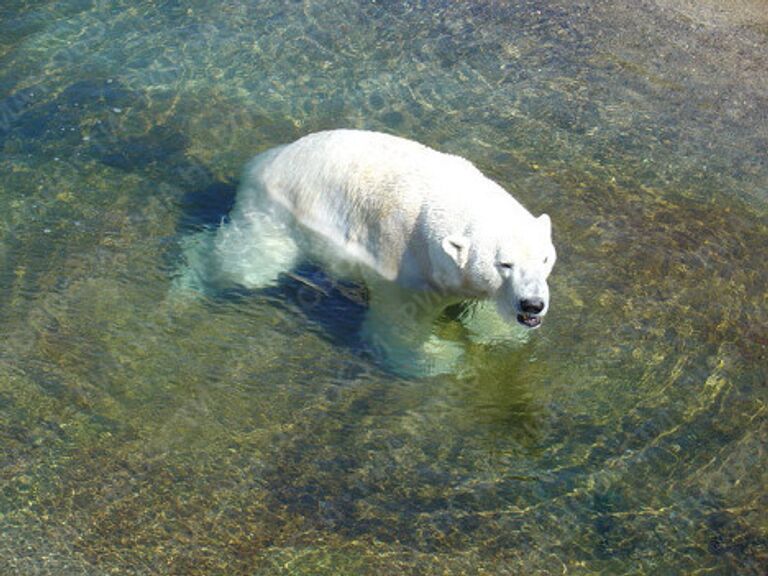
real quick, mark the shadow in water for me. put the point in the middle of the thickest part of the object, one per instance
(206, 207)
(337, 308)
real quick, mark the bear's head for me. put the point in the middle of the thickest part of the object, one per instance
(510, 268)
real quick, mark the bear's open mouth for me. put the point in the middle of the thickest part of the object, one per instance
(529, 320)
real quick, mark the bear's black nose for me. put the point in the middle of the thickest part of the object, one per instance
(531, 305)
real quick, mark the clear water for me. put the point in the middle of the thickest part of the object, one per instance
(236, 435)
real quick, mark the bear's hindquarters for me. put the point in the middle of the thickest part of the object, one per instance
(249, 252)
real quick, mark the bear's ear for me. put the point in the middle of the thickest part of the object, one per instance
(546, 224)
(457, 247)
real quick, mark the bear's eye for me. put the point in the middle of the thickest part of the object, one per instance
(546, 259)
(505, 265)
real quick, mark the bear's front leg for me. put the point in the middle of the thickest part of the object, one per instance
(398, 326)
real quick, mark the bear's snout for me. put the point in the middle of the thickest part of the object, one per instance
(530, 310)
(531, 305)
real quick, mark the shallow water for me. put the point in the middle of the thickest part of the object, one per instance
(237, 435)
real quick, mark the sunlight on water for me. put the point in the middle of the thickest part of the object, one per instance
(244, 433)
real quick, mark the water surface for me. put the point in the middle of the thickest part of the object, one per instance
(235, 435)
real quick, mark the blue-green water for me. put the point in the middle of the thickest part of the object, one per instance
(143, 435)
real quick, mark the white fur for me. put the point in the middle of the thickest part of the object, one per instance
(424, 229)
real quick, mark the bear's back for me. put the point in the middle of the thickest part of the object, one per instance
(369, 193)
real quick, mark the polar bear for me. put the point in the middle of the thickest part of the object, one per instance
(423, 230)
